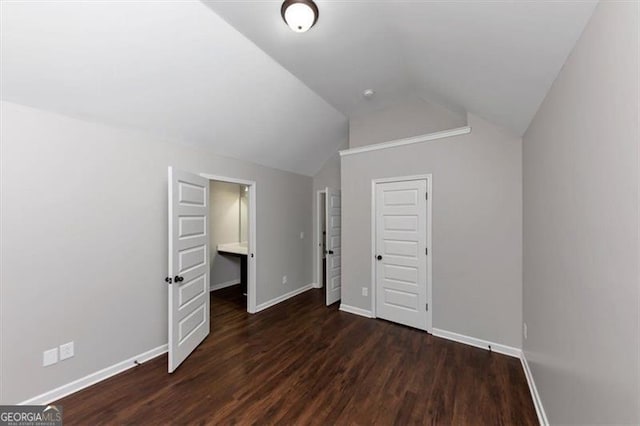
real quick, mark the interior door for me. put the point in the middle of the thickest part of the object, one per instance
(333, 243)
(401, 256)
(188, 264)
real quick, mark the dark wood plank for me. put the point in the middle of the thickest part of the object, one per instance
(301, 362)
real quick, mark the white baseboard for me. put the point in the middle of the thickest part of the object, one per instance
(93, 378)
(275, 301)
(478, 343)
(357, 311)
(316, 285)
(537, 402)
(220, 286)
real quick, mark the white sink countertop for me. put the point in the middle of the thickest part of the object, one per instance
(235, 248)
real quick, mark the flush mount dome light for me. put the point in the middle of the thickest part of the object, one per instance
(300, 15)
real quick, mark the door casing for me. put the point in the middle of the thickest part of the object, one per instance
(374, 182)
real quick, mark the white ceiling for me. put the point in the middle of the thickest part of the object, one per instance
(171, 68)
(496, 59)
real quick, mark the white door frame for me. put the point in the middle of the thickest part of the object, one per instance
(374, 182)
(318, 250)
(252, 246)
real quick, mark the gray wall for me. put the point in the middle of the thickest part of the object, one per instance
(477, 228)
(581, 298)
(85, 255)
(225, 216)
(411, 117)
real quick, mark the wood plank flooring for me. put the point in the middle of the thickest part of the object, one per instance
(303, 363)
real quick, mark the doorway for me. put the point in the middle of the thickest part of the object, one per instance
(401, 250)
(189, 248)
(228, 240)
(240, 204)
(321, 239)
(329, 249)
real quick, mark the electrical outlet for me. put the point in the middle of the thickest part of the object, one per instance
(302, 235)
(524, 330)
(365, 291)
(66, 351)
(284, 279)
(49, 357)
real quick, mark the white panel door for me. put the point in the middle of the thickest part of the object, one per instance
(401, 257)
(333, 270)
(188, 264)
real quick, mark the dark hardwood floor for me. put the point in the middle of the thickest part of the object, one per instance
(303, 363)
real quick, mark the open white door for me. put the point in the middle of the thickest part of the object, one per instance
(401, 252)
(334, 251)
(188, 264)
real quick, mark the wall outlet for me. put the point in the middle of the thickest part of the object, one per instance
(66, 351)
(524, 330)
(49, 357)
(302, 235)
(284, 279)
(365, 291)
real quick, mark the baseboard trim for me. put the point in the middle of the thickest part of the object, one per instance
(315, 285)
(93, 378)
(478, 343)
(276, 300)
(537, 402)
(226, 284)
(357, 311)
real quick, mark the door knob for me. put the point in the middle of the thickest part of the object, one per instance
(379, 257)
(330, 252)
(178, 278)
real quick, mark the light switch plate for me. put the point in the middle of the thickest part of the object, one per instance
(49, 357)
(66, 351)
(302, 235)
(284, 279)
(365, 291)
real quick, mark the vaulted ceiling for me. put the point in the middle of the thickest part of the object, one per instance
(175, 69)
(229, 76)
(496, 59)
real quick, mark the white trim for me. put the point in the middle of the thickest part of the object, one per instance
(252, 283)
(478, 343)
(93, 378)
(318, 247)
(537, 402)
(226, 284)
(357, 311)
(407, 141)
(429, 178)
(284, 297)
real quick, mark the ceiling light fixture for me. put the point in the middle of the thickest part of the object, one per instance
(299, 15)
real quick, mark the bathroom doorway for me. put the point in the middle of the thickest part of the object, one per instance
(232, 239)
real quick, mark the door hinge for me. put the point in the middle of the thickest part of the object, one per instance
(426, 251)
(426, 196)
(427, 306)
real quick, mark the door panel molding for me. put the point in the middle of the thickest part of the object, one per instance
(396, 237)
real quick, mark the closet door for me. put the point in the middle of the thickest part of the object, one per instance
(401, 252)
